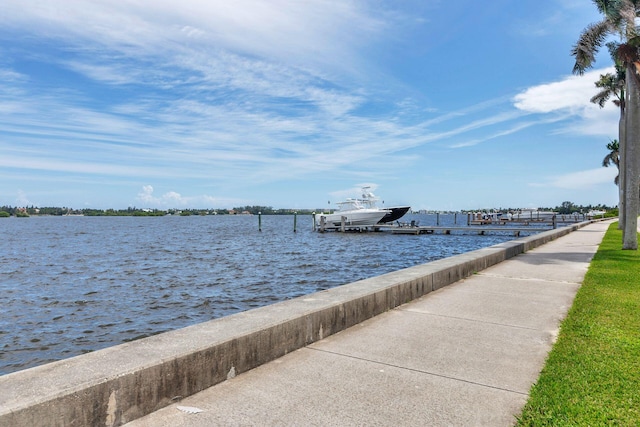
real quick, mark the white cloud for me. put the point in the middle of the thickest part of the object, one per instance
(571, 97)
(571, 93)
(174, 200)
(146, 195)
(170, 199)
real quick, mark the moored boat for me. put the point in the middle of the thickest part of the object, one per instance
(533, 215)
(360, 213)
(351, 213)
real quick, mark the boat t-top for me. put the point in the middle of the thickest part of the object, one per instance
(396, 212)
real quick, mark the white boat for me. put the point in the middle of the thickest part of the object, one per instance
(596, 213)
(481, 218)
(533, 215)
(352, 213)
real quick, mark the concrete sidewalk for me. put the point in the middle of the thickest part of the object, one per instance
(464, 355)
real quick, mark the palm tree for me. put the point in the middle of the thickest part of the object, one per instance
(619, 20)
(613, 158)
(613, 85)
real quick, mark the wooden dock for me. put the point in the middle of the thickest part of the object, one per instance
(429, 229)
(481, 230)
(477, 225)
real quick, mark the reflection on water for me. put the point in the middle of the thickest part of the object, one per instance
(70, 285)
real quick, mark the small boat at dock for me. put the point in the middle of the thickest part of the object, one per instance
(351, 213)
(360, 213)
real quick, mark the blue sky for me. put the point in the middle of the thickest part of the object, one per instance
(442, 105)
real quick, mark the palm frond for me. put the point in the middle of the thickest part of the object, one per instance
(613, 158)
(610, 85)
(588, 45)
(613, 47)
(614, 154)
(601, 97)
(634, 41)
(613, 10)
(605, 7)
(628, 12)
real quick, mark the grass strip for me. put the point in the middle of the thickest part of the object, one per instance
(592, 374)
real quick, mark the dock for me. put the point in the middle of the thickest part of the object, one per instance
(481, 230)
(476, 224)
(415, 229)
(430, 229)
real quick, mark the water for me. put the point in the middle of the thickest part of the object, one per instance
(71, 285)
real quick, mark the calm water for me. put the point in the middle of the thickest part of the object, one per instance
(71, 285)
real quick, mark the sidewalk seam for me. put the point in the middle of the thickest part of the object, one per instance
(528, 279)
(420, 371)
(484, 322)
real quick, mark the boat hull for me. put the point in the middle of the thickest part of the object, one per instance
(396, 213)
(357, 218)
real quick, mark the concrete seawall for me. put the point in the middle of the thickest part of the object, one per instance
(113, 386)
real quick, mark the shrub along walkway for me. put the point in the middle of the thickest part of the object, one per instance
(466, 354)
(592, 376)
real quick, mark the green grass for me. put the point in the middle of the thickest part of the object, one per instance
(592, 375)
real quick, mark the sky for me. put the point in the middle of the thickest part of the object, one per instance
(297, 104)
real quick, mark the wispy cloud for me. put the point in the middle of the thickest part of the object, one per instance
(581, 180)
(266, 90)
(511, 130)
(316, 35)
(8, 75)
(565, 16)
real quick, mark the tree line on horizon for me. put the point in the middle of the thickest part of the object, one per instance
(565, 208)
(133, 211)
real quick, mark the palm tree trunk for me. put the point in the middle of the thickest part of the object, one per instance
(632, 160)
(622, 168)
